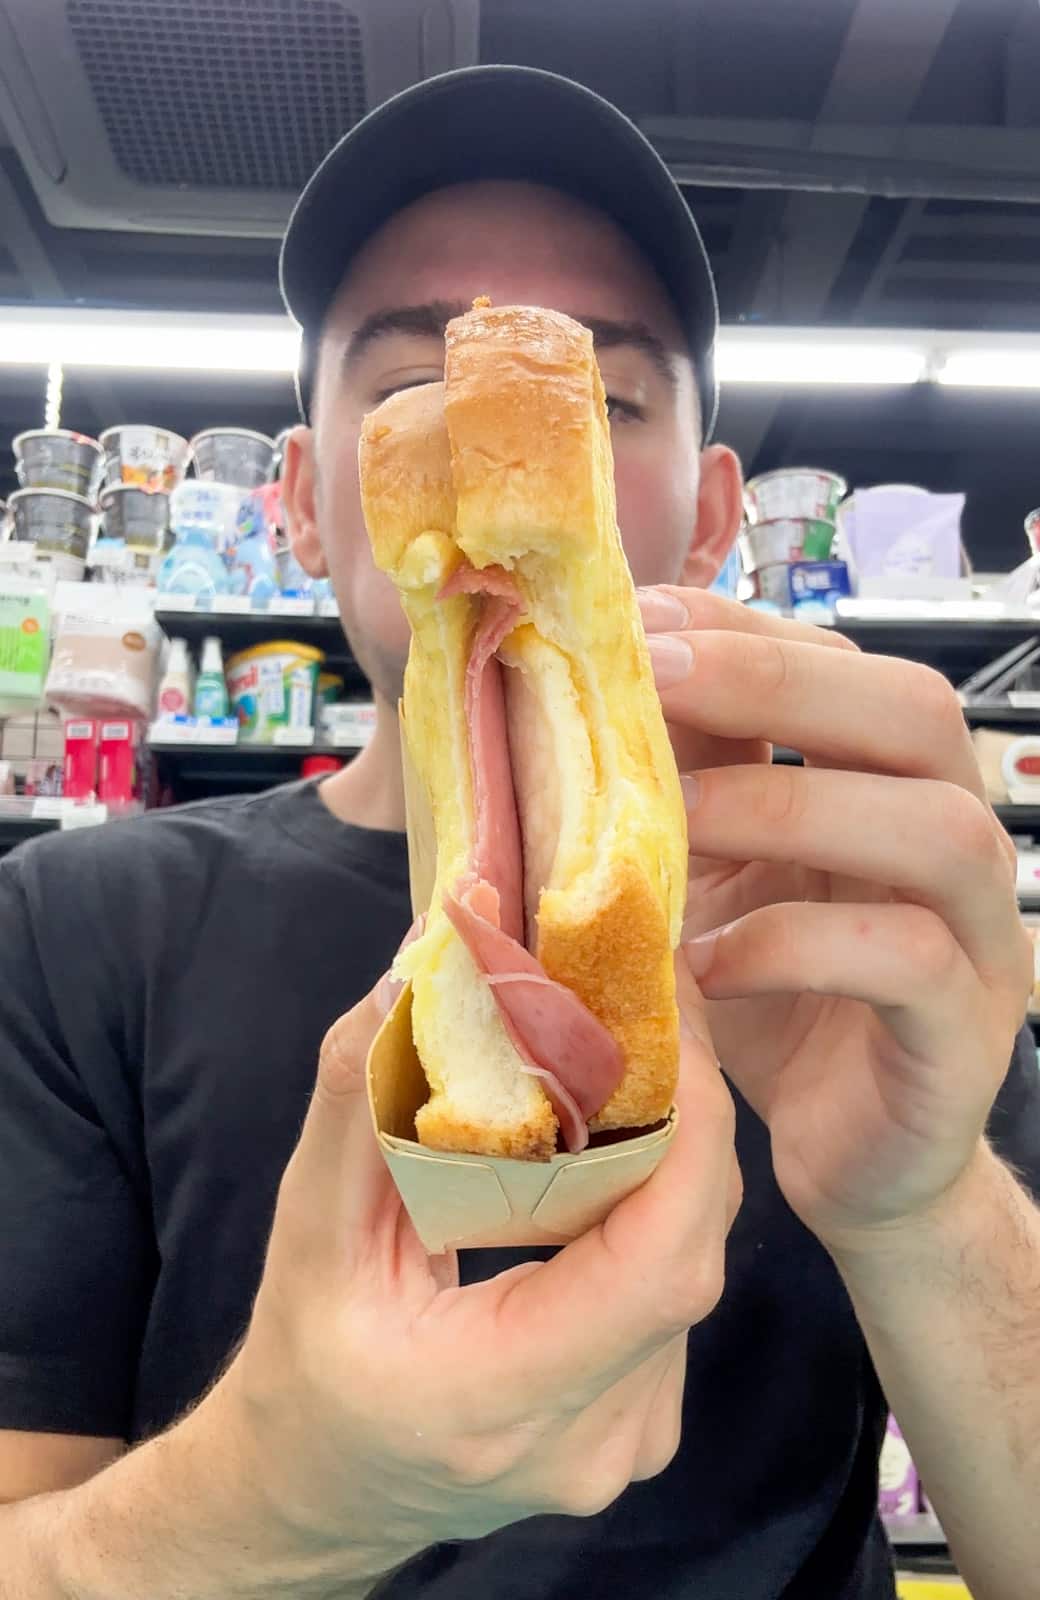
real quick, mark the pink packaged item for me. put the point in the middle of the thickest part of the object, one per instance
(119, 770)
(103, 666)
(900, 1488)
(81, 743)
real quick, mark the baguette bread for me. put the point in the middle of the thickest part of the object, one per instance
(489, 500)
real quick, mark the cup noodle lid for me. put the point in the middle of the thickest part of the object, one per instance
(469, 1201)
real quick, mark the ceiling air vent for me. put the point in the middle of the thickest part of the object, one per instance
(204, 116)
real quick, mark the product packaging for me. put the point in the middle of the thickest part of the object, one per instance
(897, 531)
(175, 688)
(468, 1201)
(233, 455)
(57, 459)
(54, 520)
(211, 696)
(102, 666)
(809, 492)
(272, 689)
(81, 756)
(25, 623)
(819, 584)
(898, 1477)
(146, 457)
(119, 767)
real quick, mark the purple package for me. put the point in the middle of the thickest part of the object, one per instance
(899, 1497)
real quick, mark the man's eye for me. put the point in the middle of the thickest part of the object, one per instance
(619, 410)
(405, 383)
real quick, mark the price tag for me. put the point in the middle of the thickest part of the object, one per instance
(177, 602)
(347, 738)
(291, 606)
(223, 731)
(328, 608)
(48, 808)
(295, 738)
(232, 605)
(83, 817)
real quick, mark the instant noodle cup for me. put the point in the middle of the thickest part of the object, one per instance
(808, 492)
(146, 457)
(54, 458)
(52, 519)
(233, 455)
(139, 517)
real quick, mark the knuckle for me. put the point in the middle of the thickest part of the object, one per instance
(772, 661)
(340, 1061)
(591, 1489)
(692, 1294)
(660, 1448)
(781, 799)
(968, 827)
(930, 946)
(935, 700)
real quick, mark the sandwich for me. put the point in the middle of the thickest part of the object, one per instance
(542, 987)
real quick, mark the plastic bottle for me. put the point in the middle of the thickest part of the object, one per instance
(211, 696)
(175, 684)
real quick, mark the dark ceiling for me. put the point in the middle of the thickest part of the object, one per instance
(852, 162)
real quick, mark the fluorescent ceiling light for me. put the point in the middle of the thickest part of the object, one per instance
(169, 342)
(993, 368)
(211, 342)
(818, 356)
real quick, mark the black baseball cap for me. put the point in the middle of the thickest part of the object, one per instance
(495, 122)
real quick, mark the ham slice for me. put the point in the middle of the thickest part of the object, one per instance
(497, 853)
(556, 1036)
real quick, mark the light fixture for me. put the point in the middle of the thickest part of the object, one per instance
(167, 342)
(746, 353)
(818, 356)
(993, 366)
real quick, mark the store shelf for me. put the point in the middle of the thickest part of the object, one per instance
(956, 647)
(22, 819)
(1019, 819)
(240, 630)
(193, 770)
(1000, 715)
(923, 1533)
(15, 830)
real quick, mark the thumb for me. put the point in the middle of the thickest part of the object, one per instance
(337, 1157)
(336, 1181)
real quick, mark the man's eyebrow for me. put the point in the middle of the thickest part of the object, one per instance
(422, 321)
(608, 335)
(430, 319)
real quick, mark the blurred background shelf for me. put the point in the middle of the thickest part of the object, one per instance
(242, 630)
(195, 770)
(955, 648)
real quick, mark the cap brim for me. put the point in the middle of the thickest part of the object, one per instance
(496, 122)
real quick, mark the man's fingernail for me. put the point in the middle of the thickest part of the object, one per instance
(387, 990)
(699, 952)
(671, 659)
(661, 611)
(691, 789)
(686, 1030)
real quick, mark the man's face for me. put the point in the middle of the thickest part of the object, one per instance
(521, 245)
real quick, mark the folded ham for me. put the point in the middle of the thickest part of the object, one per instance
(556, 1036)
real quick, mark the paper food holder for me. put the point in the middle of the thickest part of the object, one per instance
(472, 1201)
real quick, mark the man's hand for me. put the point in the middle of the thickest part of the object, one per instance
(853, 922)
(381, 1407)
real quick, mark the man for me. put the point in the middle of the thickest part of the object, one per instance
(341, 1417)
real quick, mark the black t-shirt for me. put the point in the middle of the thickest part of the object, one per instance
(164, 988)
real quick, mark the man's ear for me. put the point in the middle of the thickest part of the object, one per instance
(299, 498)
(720, 507)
